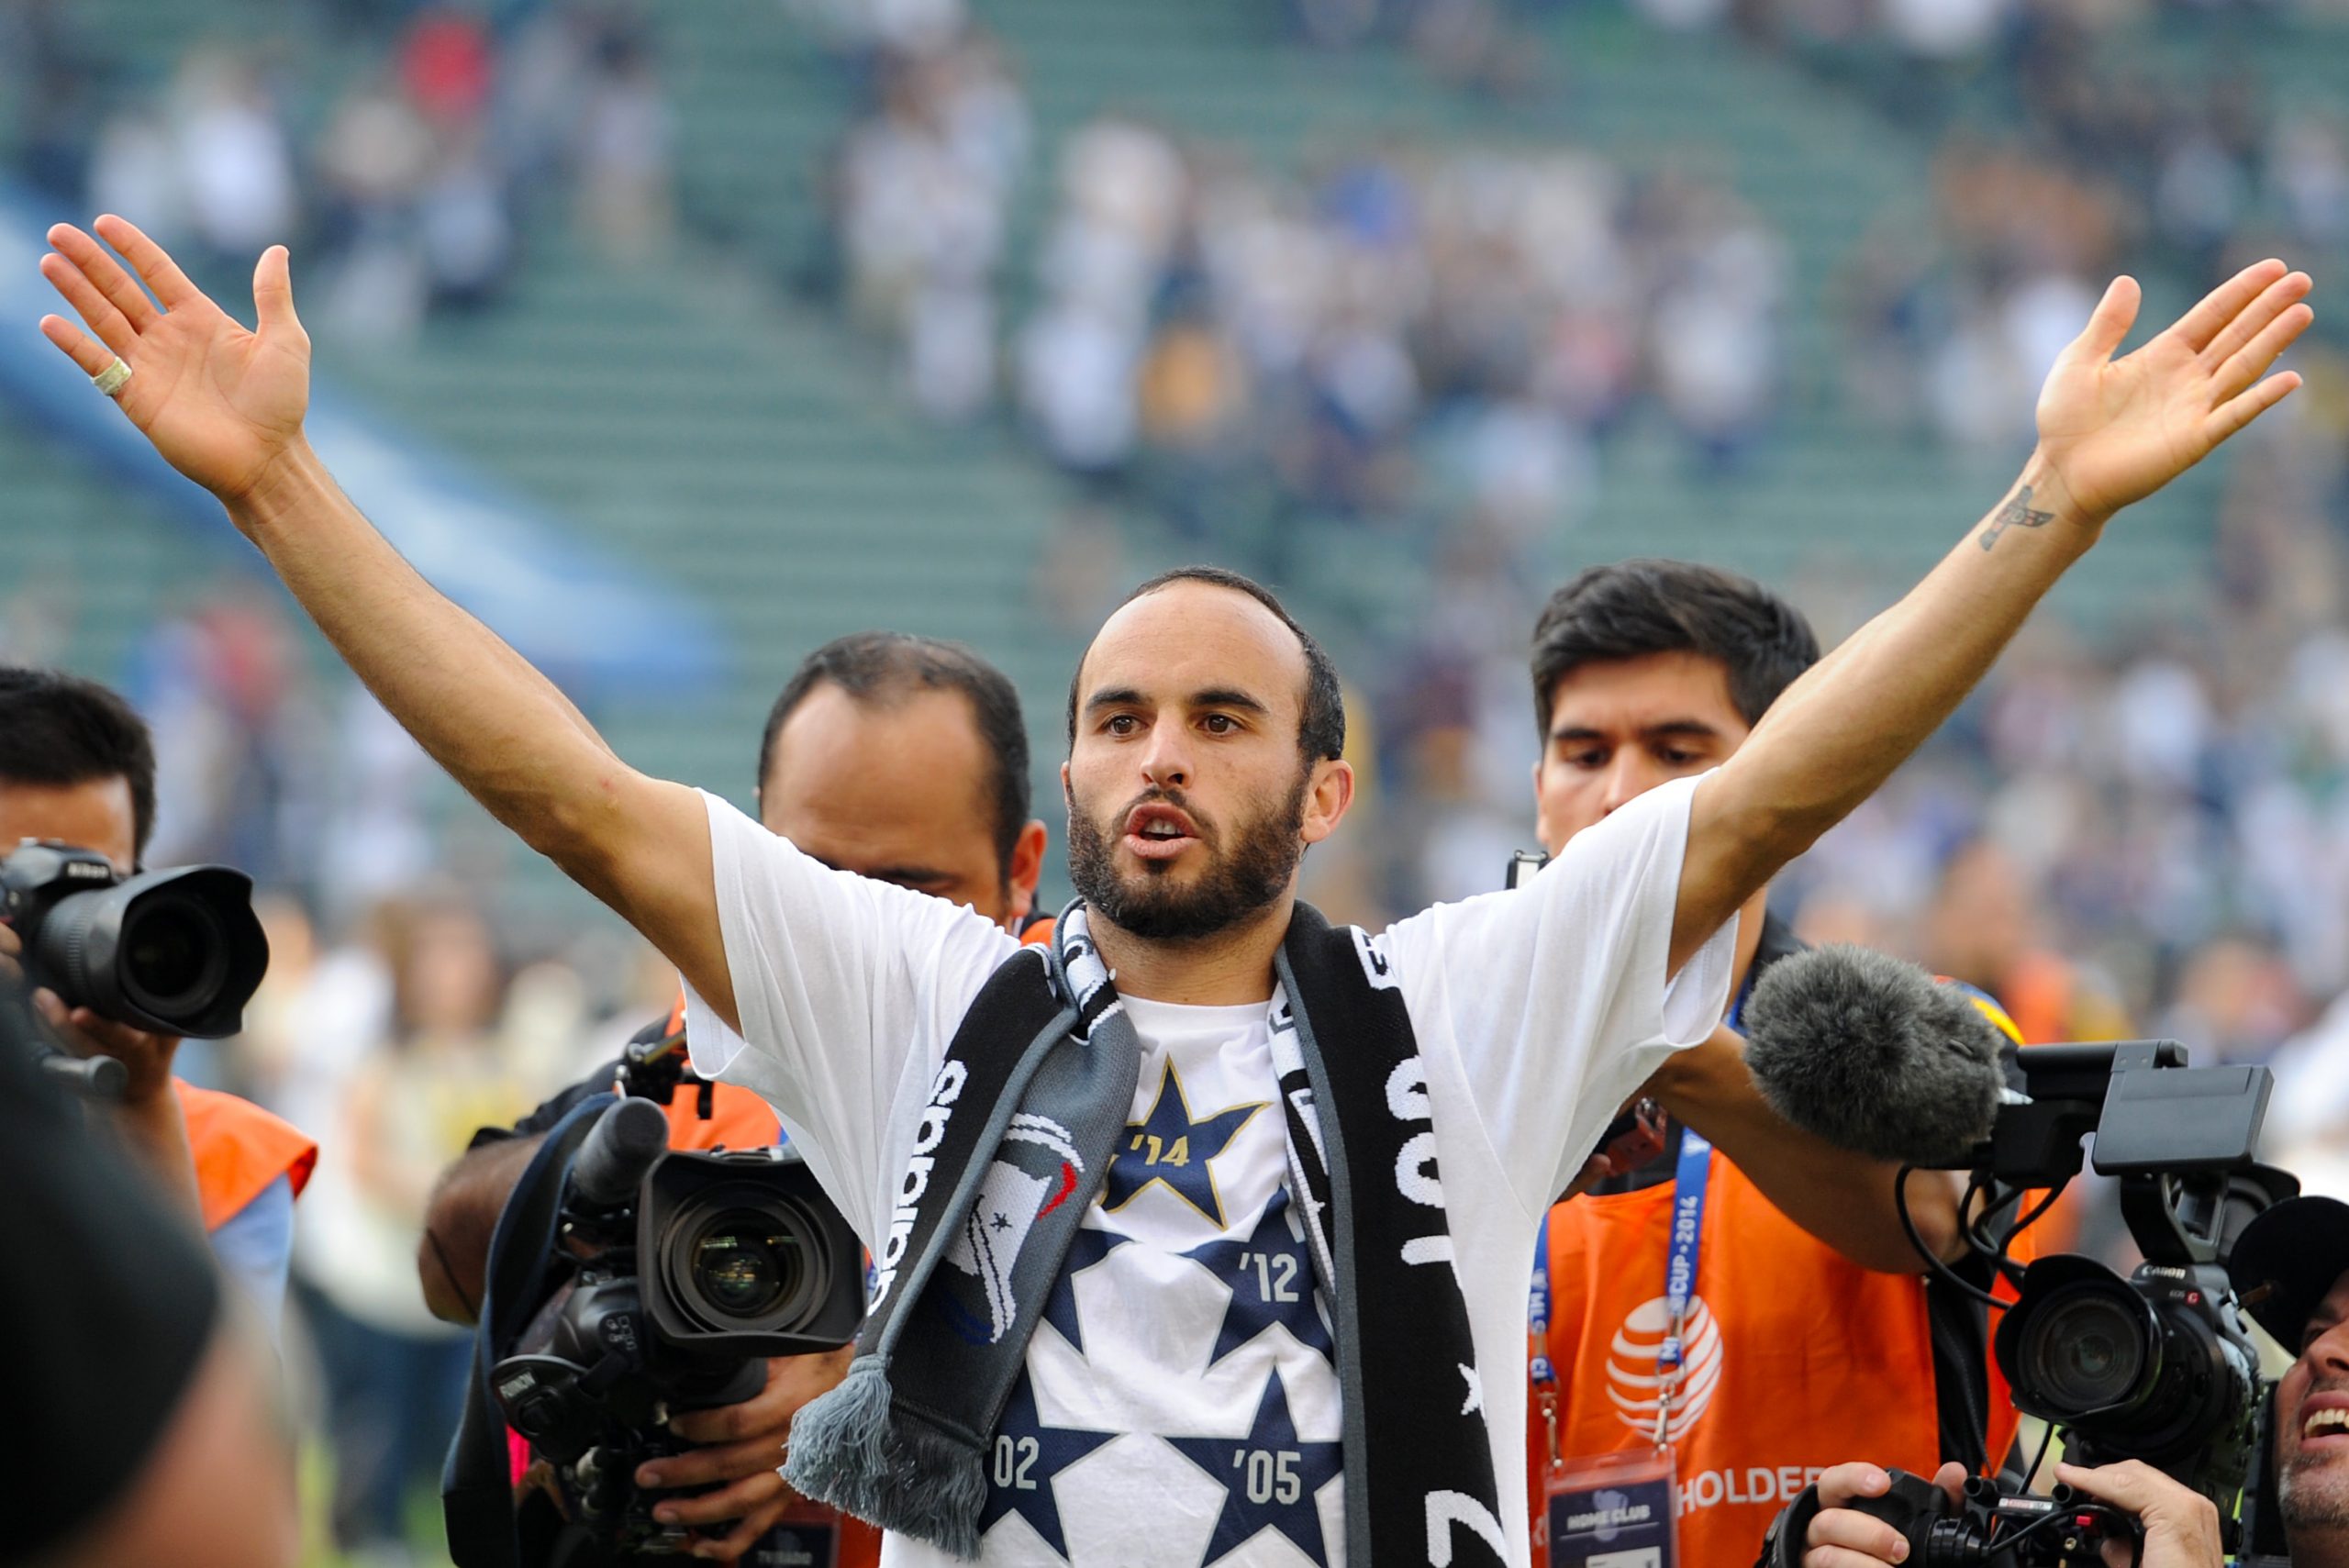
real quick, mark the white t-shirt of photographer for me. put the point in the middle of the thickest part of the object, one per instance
(1181, 1406)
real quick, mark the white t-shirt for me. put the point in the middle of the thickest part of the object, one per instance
(1180, 1407)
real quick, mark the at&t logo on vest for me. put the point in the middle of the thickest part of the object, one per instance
(1633, 1381)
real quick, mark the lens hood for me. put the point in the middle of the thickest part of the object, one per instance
(179, 952)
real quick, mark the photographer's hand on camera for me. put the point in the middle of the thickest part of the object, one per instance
(1842, 1537)
(740, 1454)
(149, 1113)
(2181, 1525)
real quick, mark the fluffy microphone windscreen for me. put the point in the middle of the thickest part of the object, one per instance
(1868, 1052)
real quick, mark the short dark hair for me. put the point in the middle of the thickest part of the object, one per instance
(60, 731)
(1321, 732)
(1633, 608)
(875, 667)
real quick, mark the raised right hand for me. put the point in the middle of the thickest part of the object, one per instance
(221, 404)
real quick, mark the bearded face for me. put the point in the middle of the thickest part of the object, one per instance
(1158, 867)
(1193, 780)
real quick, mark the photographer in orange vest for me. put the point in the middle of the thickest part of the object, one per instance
(78, 765)
(1803, 1324)
(887, 756)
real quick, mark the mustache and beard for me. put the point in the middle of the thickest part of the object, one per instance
(1239, 881)
(2313, 1490)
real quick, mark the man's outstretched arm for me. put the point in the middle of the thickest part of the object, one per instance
(224, 407)
(2111, 432)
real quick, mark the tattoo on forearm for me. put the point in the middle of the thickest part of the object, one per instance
(2015, 514)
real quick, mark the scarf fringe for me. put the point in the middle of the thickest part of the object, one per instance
(905, 1476)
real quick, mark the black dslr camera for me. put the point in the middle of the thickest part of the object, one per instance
(2158, 1366)
(176, 951)
(673, 1276)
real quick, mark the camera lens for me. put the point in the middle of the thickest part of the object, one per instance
(172, 954)
(738, 1259)
(178, 951)
(2085, 1351)
(744, 1264)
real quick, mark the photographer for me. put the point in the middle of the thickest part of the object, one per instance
(899, 758)
(77, 766)
(2291, 1269)
(1235, 1080)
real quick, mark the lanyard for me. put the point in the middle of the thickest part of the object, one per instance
(1692, 1179)
(1691, 1182)
(1537, 1316)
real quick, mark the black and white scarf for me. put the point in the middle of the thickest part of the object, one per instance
(1011, 1151)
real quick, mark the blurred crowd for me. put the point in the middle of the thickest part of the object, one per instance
(1939, 30)
(2069, 135)
(407, 151)
(1403, 329)
(920, 196)
(1400, 327)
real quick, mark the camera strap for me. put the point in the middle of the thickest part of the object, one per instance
(478, 1479)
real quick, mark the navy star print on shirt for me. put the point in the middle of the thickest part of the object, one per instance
(1269, 1275)
(1171, 1149)
(1022, 1462)
(1088, 1248)
(1269, 1479)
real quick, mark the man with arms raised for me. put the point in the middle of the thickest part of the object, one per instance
(1271, 1113)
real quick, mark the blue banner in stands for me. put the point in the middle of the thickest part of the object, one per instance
(598, 626)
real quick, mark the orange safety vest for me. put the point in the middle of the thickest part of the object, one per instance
(1798, 1359)
(240, 1150)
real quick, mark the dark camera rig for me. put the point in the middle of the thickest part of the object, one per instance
(668, 1278)
(2158, 1366)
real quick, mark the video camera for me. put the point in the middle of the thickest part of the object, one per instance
(2158, 1366)
(672, 1276)
(176, 951)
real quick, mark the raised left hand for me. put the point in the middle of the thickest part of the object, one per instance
(2113, 431)
(742, 1451)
